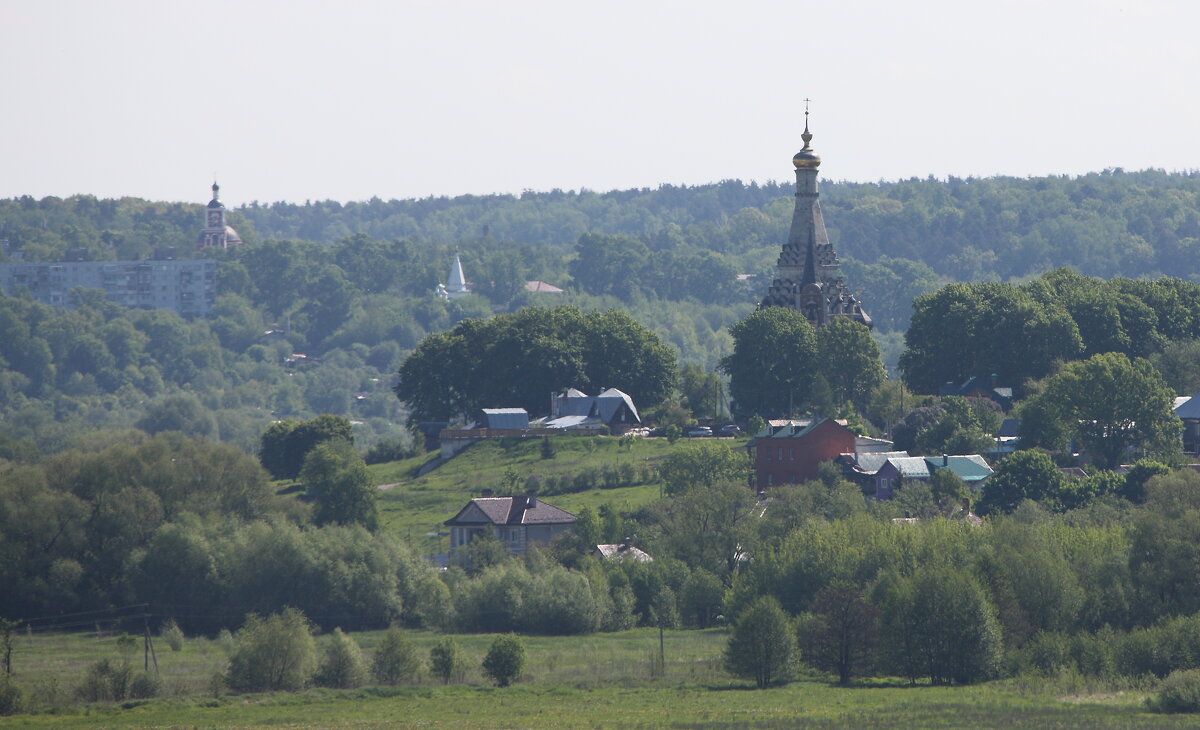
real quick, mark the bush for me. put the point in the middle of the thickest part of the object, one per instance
(273, 653)
(343, 666)
(446, 660)
(396, 659)
(172, 635)
(505, 659)
(11, 698)
(106, 681)
(1179, 692)
(144, 686)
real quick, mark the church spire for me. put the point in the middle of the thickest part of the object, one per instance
(809, 277)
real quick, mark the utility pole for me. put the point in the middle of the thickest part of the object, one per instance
(148, 645)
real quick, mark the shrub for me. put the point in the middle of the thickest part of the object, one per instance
(11, 698)
(343, 666)
(273, 653)
(106, 681)
(172, 634)
(446, 660)
(505, 659)
(144, 686)
(396, 659)
(1179, 692)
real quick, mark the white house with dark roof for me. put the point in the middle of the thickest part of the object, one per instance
(516, 521)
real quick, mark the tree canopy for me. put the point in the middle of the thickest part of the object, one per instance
(517, 360)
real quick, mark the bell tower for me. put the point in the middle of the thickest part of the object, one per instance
(809, 277)
(217, 231)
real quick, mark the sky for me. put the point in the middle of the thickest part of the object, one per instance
(313, 100)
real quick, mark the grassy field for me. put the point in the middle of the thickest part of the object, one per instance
(414, 507)
(605, 680)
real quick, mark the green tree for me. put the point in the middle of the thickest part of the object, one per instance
(446, 660)
(336, 479)
(773, 361)
(849, 360)
(273, 653)
(702, 465)
(505, 659)
(939, 623)
(1023, 475)
(701, 390)
(997, 328)
(839, 635)
(395, 658)
(544, 350)
(342, 666)
(1111, 404)
(761, 645)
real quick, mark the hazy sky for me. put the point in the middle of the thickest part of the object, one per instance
(300, 99)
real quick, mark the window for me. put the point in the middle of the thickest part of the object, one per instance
(770, 480)
(792, 454)
(781, 453)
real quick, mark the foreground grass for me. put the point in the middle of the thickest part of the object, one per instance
(603, 680)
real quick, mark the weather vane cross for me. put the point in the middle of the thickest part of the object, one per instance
(806, 100)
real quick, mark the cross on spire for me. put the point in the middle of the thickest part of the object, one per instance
(806, 100)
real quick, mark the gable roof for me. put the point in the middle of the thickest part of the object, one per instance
(621, 552)
(969, 467)
(510, 511)
(609, 402)
(869, 462)
(910, 467)
(796, 428)
(1189, 409)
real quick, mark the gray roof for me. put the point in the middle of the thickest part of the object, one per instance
(514, 511)
(621, 553)
(505, 418)
(1190, 408)
(870, 462)
(609, 402)
(910, 467)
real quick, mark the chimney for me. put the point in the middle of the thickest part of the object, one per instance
(486, 493)
(530, 502)
(945, 460)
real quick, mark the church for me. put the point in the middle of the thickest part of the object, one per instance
(217, 232)
(809, 279)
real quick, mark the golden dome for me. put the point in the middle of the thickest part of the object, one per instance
(806, 159)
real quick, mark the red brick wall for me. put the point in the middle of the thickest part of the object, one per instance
(823, 443)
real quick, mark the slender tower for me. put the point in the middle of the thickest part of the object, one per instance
(809, 279)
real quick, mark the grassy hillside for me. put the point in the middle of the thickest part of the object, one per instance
(415, 506)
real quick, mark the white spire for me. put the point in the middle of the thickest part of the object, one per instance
(458, 282)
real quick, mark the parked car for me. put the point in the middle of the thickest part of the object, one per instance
(729, 430)
(697, 431)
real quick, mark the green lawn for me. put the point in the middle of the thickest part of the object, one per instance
(415, 507)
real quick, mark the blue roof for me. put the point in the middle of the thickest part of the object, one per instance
(1189, 408)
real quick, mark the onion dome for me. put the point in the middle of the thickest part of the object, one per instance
(806, 159)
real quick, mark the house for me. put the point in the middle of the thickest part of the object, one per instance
(575, 410)
(789, 451)
(972, 469)
(976, 387)
(1188, 411)
(517, 521)
(621, 552)
(861, 467)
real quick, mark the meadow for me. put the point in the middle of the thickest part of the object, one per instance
(602, 680)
